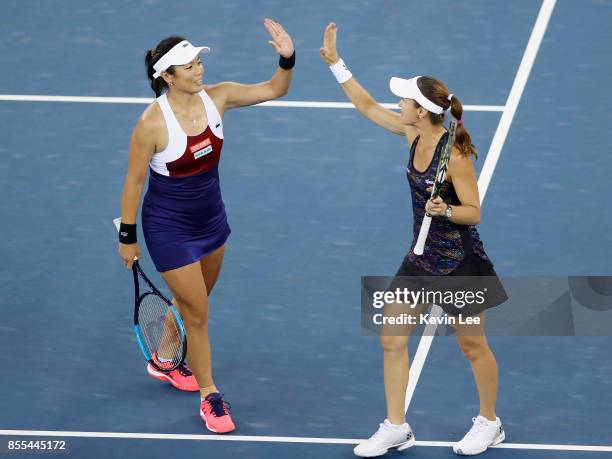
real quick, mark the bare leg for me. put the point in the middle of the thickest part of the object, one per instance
(211, 267)
(394, 341)
(187, 285)
(474, 344)
(395, 363)
(191, 297)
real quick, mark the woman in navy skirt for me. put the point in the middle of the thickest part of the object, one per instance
(453, 246)
(178, 139)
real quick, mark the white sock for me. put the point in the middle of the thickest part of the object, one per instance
(488, 421)
(396, 426)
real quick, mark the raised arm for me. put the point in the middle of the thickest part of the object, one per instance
(237, 95)
(362, 100)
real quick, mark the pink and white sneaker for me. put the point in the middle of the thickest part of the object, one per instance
(214, 411)
(182, 378)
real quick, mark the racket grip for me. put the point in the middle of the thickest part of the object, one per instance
(420, 244)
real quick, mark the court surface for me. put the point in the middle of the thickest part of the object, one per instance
(316, 198)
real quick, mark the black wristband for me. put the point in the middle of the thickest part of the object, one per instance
(287, 63)
(127, 233)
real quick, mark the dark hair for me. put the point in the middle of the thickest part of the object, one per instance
(437, 92)
(153, 55)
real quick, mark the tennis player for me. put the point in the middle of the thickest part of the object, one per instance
(453, 247)
(178, 139)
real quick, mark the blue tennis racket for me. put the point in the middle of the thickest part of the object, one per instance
(158, 325)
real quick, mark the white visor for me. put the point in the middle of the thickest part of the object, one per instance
(409, 89)
(180, 54)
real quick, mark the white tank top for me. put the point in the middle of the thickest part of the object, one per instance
(179, 143)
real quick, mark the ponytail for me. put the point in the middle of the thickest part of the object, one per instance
(437, 92)
(158, 85)
(463, 141)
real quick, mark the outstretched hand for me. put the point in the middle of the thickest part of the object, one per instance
(281, 41)
(328, 52)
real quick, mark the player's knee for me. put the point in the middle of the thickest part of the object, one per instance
(195, 314)
(394, 343)
(198, 321)
(472, 346)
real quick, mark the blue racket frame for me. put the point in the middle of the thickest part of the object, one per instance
(138, 272)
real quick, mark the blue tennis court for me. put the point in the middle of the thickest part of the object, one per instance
(316, 197)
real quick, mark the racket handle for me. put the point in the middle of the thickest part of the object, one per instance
(420, 244)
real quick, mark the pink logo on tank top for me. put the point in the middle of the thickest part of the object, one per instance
(200, 145)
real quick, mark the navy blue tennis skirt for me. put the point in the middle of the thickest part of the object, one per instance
(183, 218)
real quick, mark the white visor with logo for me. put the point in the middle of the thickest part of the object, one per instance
(409, 89)
(180, 54)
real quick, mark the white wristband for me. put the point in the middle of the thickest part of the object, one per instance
(341, 72)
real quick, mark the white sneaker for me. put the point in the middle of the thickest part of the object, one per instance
(387, 436)
(484, 433)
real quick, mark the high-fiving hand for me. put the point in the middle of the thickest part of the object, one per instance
(328, 52)
(281, 41)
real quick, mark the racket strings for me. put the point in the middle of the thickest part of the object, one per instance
(160, 331)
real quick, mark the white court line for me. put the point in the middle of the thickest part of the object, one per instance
(515, 94)
(488, 167)
(421, 354)
(274, 103)
(256, 438)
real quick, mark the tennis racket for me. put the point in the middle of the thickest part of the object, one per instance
(440, 176)
(158, 325)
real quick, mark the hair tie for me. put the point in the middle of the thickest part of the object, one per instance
(459, 122)
(450, 105)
